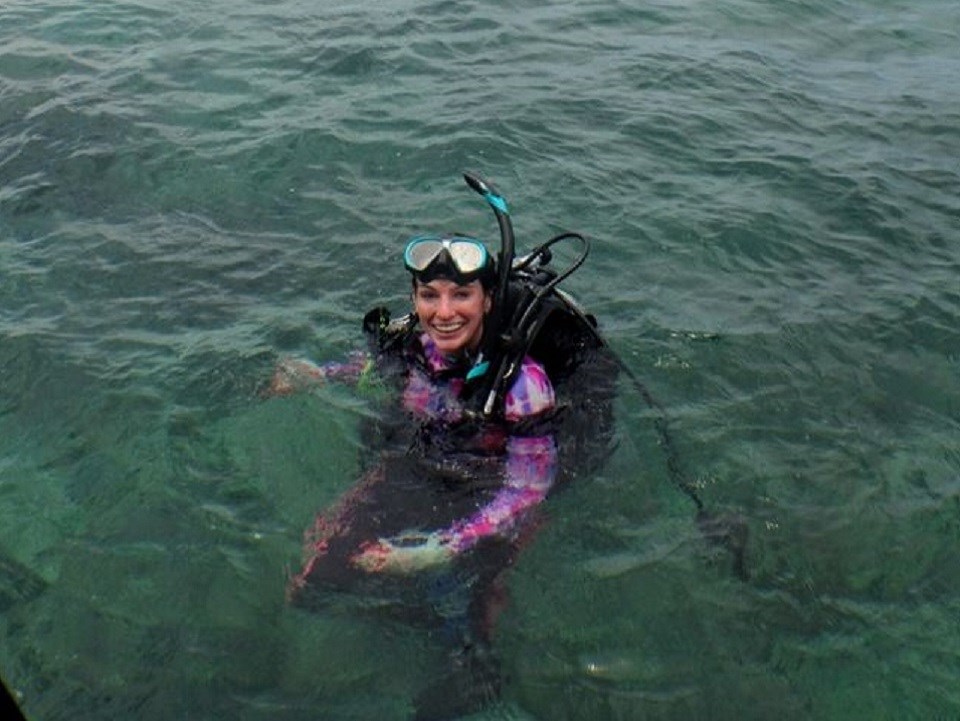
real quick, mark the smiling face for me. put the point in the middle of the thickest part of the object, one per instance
(452, 314)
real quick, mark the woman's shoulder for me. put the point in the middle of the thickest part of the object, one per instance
(531, 393)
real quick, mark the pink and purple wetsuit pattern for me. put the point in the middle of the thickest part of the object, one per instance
(531, 462)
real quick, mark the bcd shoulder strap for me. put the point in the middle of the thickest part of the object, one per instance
(385, 335)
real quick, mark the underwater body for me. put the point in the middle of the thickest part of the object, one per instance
(771, 190)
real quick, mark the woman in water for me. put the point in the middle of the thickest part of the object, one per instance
(441, 513)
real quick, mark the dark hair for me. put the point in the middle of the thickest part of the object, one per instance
(488, 279)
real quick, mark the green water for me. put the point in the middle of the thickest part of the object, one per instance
(772, 189)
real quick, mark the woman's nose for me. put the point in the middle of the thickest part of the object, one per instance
(445, 307)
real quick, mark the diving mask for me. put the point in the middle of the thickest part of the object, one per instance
(454, 257)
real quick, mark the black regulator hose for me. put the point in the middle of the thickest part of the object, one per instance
(729, 531)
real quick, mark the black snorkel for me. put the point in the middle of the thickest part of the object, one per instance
(494, 322)
(505, 257)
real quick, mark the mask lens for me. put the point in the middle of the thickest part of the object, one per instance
(421, 253)
(468, 256)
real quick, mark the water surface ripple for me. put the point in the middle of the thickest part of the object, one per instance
(189, 189)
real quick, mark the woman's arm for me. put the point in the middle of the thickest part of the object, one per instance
(531, 467)
(530, 471)
(293, 375)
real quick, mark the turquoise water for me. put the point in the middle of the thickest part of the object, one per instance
(189, 189)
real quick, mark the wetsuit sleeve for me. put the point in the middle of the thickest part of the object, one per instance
(296, 374)
(530, 468)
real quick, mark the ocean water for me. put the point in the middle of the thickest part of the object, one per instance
(188, 190)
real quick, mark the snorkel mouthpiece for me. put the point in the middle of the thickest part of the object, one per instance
(488, 192)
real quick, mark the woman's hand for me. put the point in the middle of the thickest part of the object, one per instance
(409, 552)
(292, 375)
